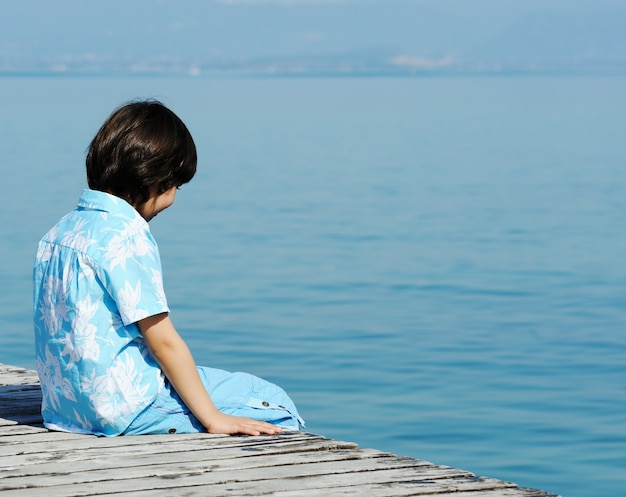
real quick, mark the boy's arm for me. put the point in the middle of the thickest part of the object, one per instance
(176, 361)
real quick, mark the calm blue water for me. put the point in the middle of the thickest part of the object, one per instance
(430, 266)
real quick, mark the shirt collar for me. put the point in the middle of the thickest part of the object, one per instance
(102, 201)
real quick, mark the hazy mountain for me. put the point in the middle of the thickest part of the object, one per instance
(308, 36)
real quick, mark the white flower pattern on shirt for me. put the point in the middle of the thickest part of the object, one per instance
(128, 299)
(80, 342)
(96, 273)
(53, 308)
(127, 243)
(157, 281)
(79, 238)
(118, 393)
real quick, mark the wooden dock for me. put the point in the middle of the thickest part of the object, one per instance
(38, 462)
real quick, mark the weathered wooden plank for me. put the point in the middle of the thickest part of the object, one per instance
(216, 458)
(73, 451)
(27, 419)
(12, 375)
(39, 441)
(246, 480)
(37, 438)
(13, 430)
(18, 406)
(255, 467)
(396, 490)
(21, 397)
(208, 484)
(15, 390)
(399, 489)
(87, 446)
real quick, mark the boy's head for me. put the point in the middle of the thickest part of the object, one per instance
(141, 147)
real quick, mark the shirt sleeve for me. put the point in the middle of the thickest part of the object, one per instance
(131, 267)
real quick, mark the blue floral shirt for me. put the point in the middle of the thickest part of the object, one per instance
(97, 272)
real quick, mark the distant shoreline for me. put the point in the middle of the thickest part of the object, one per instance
(40, 73)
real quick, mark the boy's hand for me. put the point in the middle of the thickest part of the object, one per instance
(233, 425)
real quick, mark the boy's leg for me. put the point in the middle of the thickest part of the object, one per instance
(243, 394)
(238, 394)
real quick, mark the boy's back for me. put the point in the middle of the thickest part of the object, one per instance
(97, 273)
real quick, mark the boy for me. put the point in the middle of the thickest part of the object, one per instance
(108, 356)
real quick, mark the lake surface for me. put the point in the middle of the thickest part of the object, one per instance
(429, 266)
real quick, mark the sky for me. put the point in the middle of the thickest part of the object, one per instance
(41, 33)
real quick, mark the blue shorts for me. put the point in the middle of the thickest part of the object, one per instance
(238, 394)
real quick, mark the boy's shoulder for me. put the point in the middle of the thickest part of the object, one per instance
(93, 231)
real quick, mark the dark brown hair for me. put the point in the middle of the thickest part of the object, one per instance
(140, 145)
